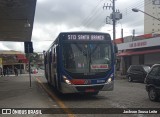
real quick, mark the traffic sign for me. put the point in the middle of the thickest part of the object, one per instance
(28, 47)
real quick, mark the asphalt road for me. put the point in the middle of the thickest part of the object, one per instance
(125, 95)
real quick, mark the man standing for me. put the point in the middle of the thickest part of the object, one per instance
(16, 71)
(1, 73)
(4, 71)
(7, 71)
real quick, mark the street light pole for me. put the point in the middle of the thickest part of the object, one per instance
(137, 10)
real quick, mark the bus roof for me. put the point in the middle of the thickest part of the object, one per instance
(83, 32)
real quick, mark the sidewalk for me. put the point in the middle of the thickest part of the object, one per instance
(15, 92)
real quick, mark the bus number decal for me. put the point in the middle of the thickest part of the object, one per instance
(100, 81)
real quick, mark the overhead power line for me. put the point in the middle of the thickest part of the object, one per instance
(92, 14)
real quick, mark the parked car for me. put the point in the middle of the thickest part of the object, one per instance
(137, 72)
(153, 83)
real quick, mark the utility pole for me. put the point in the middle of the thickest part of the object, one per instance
(115, 15)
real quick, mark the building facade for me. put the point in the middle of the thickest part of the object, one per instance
(152, 25)
(11, 59)
(140, 51)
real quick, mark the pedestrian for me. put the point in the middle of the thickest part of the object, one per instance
(7, 71)
(4, 71)
(1, 72)
(16, 71)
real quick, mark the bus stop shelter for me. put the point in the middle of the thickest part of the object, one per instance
(16, 20)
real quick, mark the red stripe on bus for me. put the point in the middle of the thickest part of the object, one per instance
(77, 81)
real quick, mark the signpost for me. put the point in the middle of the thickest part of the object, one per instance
(28, 47)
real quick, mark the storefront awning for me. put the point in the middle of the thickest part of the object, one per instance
(128, 53)
(22, 58)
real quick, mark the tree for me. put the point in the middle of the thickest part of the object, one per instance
(34, 58)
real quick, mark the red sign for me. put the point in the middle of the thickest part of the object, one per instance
(138, 44)
(99, 66)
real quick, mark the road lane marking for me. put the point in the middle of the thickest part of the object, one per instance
(60, 102)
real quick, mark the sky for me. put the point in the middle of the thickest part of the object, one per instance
(55, 16)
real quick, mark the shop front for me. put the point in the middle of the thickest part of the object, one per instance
(143, 52)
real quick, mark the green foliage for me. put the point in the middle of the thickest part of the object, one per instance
(34, 57)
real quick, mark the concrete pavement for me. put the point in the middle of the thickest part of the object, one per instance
(15, 92)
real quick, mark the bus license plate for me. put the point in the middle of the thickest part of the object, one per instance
(89, 90)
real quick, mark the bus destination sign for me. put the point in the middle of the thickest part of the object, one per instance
(86, 37)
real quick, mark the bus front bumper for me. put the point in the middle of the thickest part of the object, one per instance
(65, 88)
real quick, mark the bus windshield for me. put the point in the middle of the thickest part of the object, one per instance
(86, 57)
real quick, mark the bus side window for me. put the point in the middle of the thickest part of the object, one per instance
(50, 57)
(45, 60)
(54, 55)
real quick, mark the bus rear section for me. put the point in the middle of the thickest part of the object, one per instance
(85, 63)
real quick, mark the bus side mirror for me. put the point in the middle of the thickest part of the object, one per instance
(115, 48)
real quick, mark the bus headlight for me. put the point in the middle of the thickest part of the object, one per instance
(109, 80)
(66, 80)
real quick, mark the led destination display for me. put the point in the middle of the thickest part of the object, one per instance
(86, 37)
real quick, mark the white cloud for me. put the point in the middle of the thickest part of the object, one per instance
(55, 16)
(19, 46)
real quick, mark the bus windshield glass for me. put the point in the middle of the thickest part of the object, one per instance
(86, 57)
